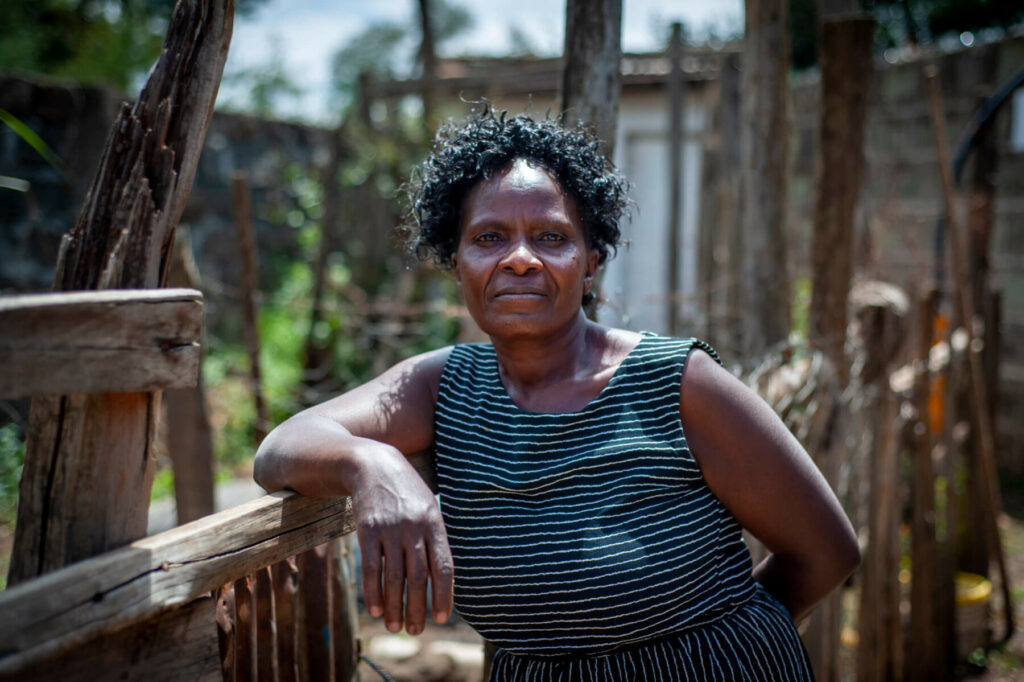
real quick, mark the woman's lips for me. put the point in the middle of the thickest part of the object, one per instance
(520, 293)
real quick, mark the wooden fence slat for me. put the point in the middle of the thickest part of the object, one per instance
(101, 594)
(285, 576)
(94, 342)
(245, 630)
(315, 595)
(177, 645)
(344, 615)
(225, 617)
(266, 627)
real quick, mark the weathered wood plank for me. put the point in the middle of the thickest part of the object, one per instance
(180, 644)
(122, 240)
(99, 341)
(61, 609)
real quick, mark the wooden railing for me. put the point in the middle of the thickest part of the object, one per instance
(262, 591)
(78, 616)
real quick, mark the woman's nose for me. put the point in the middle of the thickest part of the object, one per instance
(520, 260)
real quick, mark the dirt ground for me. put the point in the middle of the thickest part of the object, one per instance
(1008, 664)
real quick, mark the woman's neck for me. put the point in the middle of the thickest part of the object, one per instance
(532, 363)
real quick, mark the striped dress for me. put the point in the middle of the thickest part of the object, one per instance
(587, 545)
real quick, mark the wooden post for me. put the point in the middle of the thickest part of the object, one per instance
(245, 630)
(428, 60)
(965, 306)
(249, 291)
(924, 660)
(845, 60)
(225, 619)
(344, 609)
(764, 144)
(675, 151)
(728, 198)
(266, 626)
(286, 585)
(190, 438)
(89, 463)
(318, 354)
(315, 597)
(881, 313)
(591, 79)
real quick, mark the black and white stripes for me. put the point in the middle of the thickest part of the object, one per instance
(589, 538)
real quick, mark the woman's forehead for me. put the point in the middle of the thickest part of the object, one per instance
(519, 176)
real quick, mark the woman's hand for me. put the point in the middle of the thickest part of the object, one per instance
(402, 541)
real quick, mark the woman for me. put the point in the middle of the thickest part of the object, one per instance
(582, 532)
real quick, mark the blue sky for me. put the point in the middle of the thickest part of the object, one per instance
(304, 34)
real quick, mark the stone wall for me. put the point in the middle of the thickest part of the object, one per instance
(901, 197)
(74, 121)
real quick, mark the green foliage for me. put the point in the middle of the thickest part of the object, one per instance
(383, 48)
(163, 483)
(799, 314)
(109, 42)
(33, 140)
(12, 459)
(266, 84)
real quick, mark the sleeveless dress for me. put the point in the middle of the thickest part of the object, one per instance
(587, 545)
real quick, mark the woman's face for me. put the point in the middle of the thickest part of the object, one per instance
(523, 262)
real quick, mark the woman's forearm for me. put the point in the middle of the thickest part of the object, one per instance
(799, 586)
(313, 455)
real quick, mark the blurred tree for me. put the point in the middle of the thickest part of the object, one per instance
(111, 42)
(387, 50)
(900, 22)
(266, 84)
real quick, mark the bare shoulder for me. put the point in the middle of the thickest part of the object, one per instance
(728, 426)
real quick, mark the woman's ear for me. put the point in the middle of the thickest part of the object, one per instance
(592, 264)
(455, 269)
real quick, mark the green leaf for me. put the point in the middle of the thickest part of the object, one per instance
(33, 140)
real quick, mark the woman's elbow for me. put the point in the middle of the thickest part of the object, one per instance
(847, 555)
(265, 466)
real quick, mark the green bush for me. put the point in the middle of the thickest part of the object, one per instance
(12, 459)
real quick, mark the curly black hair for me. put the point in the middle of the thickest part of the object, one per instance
(464, 154)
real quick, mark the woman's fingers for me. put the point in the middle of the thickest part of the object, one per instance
(441, 576)
(370, 550)
(394, 584)
(416, 587)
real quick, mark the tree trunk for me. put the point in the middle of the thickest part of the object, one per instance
(675, 164)
(428, 60)
(764, 143)
(89, 461)
(593, 52)
(845, 59)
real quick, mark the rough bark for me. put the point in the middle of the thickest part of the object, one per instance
(89, 462)
(591, 80)
(764, 144)
(845, 59)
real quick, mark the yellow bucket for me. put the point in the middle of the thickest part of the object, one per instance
(972, 597)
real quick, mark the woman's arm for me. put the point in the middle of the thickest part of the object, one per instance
(759, 471)
(355, 444)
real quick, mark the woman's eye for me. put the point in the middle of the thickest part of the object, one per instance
(487, 237)
(551, 237)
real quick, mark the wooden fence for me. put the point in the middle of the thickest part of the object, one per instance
(250, 593)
